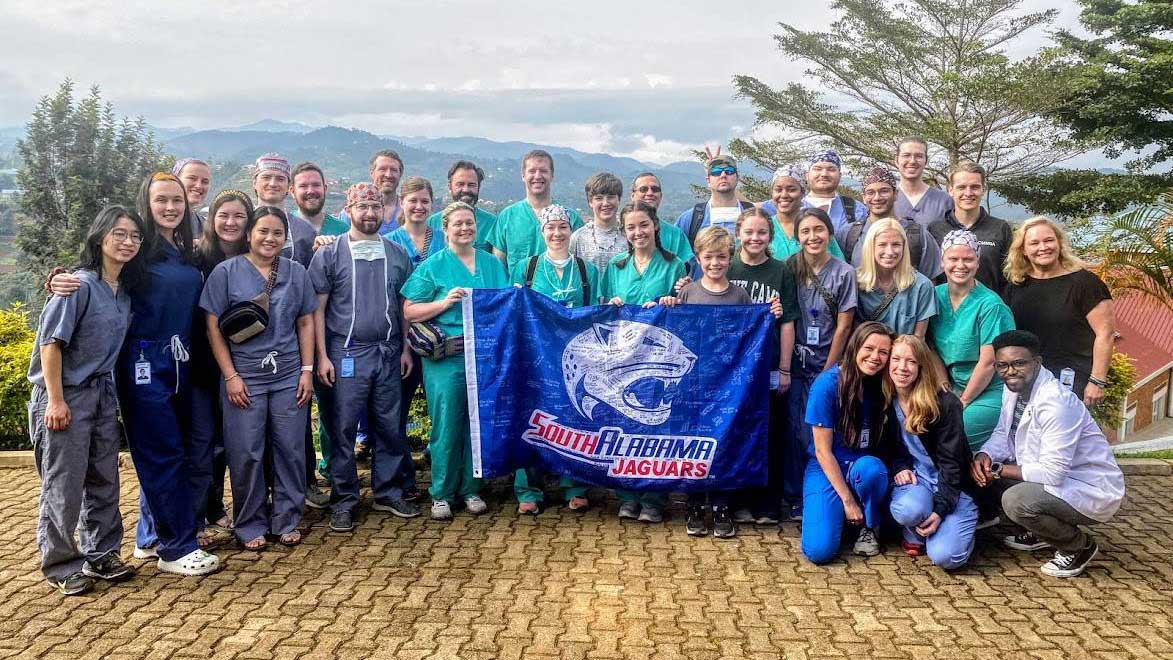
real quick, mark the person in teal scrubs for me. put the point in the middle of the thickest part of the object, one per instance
(558, 275)
(433, 293)
(787, 190)
(646, 188)
(969, 317)
(641, 276)
(517, 236)
(464, 185)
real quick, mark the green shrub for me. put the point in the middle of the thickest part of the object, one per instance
(16, 347)
(1121, 377)
(419, 425)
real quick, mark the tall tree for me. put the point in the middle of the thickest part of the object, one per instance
(888, 69)
(76, 158)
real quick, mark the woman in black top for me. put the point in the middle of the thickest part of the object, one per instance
(1068, 307)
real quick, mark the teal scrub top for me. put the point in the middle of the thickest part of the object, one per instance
(783, 245)
(634, 288)
(675, 241)
(444, 271)
(401, 238)
(517, 234)
(332, 226)
(959, 334)
(485, 223)
(911, 306)
(566, 289)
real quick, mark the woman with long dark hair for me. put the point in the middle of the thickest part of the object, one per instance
(73, 409)
(845, 477)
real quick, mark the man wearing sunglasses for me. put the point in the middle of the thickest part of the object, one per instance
(723, 206)
(646, 188)
(1047, 461)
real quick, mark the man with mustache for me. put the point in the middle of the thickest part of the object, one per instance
(386, 169)
(464, 185)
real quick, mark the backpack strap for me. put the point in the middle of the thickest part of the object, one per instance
(848, 208)
(853, 234)
(586, 285)
(745, 206)
(694, 225)
(916, 241)
(530, 268)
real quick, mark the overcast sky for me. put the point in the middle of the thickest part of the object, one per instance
(646, 79)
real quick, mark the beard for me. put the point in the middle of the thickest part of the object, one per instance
(312, 206)
(467, 197)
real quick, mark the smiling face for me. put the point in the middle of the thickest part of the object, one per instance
(1017, 367)
(556, 233)
(604, 207)
(271, 187)
(889, 249)
(196, 178)
(640, 230)
(537, 174)
(464, 187)
(903, 368)
(647, 190)
(122, 242)
(714, 263)
(872, 356)
(366, 216)
(823, 178)
(880, 197)
(309, 192)
(385, 174)
(229, 221)
(267, 237)
(754, 235)
(787, 195)
(911, 158)
(167, 203)
(966, 189)
(813, 235)
(417, 206)
(961, 264)
(1041, 246)
(461, 230)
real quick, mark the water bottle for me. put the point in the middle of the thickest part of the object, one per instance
(1067, 378)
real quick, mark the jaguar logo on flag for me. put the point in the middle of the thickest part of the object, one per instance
(632, 367)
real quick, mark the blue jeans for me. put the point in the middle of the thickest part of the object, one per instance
(822, 510)
(950, 546)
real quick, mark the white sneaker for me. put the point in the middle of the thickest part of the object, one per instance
(146, 553)
(475, 505)
(196, 562)
(441, 510)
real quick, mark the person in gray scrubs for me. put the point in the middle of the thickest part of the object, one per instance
(362, 355)
(73, 410)
(267, 381)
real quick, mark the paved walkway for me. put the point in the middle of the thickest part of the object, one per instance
(585, 586)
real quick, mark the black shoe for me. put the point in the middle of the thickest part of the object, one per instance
(341, 521)
(397, 506)
(74, 585)
(695, 524)
(1070, 564)
(723, 527)
(110, 567)
(1025, 541)
(412, 494)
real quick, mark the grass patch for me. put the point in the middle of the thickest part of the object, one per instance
(1160, 453)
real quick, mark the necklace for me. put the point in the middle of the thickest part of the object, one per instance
(561, 288)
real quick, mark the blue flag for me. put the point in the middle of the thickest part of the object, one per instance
(661, 399)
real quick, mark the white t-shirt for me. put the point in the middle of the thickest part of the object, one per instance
(724, 217)
(820, 202)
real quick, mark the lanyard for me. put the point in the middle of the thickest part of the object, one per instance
(354, 292)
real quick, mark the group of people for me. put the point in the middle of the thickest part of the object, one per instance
(933, 366)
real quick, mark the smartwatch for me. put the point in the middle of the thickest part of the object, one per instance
(996, 470)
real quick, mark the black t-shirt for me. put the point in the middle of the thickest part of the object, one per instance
(769, 279)
(1056, 310)
(994, 235)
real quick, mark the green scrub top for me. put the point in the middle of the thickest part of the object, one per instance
(444, 271)
(783, 245)
(959, 334)
(634, 288)
(517, 233)
(675, 241)
(332, 226)
(485, 223)
(566, 289)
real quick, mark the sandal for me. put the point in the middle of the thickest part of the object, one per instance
(206, 539)
(291, 539)
(223, 523)
(578, 504)
(256, 545)
(196, 562)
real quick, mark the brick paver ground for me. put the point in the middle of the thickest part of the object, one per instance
(586, 586)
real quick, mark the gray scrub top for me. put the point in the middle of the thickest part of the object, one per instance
(274, 355)
(839, 279)
(377, 283)
(932, 206)
(912, 305)
(91, 324)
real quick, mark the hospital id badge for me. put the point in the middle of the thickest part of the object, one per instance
(865, 438)
(142, 373)
(347, 367)
(812, 335)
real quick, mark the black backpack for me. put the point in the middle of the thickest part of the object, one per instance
(916, 239)
(532, 266)
(698, 216)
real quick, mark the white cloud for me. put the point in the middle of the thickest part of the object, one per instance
(657, 80)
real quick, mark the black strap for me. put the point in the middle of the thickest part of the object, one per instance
(530, 268)
(832, 307)
(586, 285)
(698, 216)
(848, 208)
(879, 310)
(853, 234)
(916, 241)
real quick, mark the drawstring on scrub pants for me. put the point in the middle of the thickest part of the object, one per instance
(180, 354)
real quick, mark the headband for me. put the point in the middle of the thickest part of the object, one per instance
(880, 175)
(960, 237)
(238, 195)
(827, 156)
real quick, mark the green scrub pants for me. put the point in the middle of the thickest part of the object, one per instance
(981, 416)
(526, 492)
(451, 444)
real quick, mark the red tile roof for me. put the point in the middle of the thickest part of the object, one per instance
(1145, 327)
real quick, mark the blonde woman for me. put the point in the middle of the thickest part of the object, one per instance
(889, 289)
(928, 502)
(1053, 295)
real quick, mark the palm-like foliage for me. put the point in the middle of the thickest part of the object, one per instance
(1135, 251)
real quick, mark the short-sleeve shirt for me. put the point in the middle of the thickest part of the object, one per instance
(959, 334)
(91, 324)
(839, 280)
(1056, 310)
(783, 244)
(695, 293)
(376, 282)
(485, 223)
(444, 271)
(932, 206)
(822, 409)
(299, 243)
(763, 282)
(597, 245)
(927, 262)
(517, 233)
(635, 288)
(271, 358)
(567, 288)
(403, 239)
(910, 306)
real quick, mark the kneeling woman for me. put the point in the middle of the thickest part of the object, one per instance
(433, 292)
(267, 373)
(847, 479)
(928, 502)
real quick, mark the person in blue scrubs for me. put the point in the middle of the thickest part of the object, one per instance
(417, 237)
(928, 502)
(433, 293)
(845, 479)
(362, 355)
(268, 381)
(890, 290)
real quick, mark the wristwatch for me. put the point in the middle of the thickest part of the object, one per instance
(996, 470)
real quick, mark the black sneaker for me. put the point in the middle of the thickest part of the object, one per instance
(110, 567)
(723, 527)
(1025, 541)
(341, 521)
(695, 524)
(412, 494)
(397, 506)
(1071, 564)
(74, 585)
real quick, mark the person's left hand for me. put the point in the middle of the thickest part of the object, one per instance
(904, 478)
(305, 388)
(929, 525)
(1092, 394)
(405, 363)
(776, 307)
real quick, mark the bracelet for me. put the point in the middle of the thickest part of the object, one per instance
(307, 367)
(784, 371)
(1097, 382)
(228, 379)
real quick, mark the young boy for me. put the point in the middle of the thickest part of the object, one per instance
(714, 250)
(601, 239)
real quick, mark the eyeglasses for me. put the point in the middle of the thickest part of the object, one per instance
(122, 236)
(718, 171)
(647, 189)
(368, 206)
(1017, 365)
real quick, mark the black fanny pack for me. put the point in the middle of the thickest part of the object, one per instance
(247, 319)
